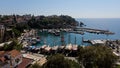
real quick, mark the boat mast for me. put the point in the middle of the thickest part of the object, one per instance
(82, 40)
(69, 39)
(44, 41)
(75, 40)
(54, 42)
(62, 39)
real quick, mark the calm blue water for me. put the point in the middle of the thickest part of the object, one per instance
(112, 24)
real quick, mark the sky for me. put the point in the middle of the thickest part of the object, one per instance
(74, 8)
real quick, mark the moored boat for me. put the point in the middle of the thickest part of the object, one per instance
(38, 39)
(33, 41)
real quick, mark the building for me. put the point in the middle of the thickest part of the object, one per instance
(13, 59)
(10, 59)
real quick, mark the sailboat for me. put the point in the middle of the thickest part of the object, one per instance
(62, 39)
(69, 45)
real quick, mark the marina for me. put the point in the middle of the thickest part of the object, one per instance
(53, 37)
(38, 42)
(65, 41)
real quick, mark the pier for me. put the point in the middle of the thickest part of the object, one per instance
(91, 30)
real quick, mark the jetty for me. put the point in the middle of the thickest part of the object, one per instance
(93, 42)
(91, 30)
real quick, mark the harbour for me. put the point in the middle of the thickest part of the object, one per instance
(45, 41)
(60, 34)
(78, 36)
(66, 41)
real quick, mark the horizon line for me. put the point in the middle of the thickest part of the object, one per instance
(96, 17)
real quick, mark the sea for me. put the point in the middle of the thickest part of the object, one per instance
(111, 24)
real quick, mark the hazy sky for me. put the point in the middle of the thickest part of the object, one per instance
(74, 8)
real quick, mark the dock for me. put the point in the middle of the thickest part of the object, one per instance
(77, 32)
(97, 42)
(91, 30)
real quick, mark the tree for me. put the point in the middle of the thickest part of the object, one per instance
(97, 57)
(53, 21)
(58, 61)
(13, 45)
(35, 66)
(7, 47)
(15, 32)
(73, 64)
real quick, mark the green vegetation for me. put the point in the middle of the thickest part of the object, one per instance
(52, 22)
(13, 45)
(118, 66)
(28, 21)
(96, 57)
(16, 32)
(35, 66)
(58, 61)
(18, 23)
(74, 64)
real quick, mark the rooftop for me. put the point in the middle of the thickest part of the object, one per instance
(25, 63)
(14, 53)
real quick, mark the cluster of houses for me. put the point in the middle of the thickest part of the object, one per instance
(17, 59)
(12, 59)
(9, 19)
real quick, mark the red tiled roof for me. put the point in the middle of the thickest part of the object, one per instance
(2, 56)
(25, 63)
(1, 53)
(2, 59)
(14, 53)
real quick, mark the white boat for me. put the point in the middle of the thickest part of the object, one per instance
(33, 41)
(44, 46)
(68, 47)
(48, 48)
(55, 48)
(61, 47)
(75, 47)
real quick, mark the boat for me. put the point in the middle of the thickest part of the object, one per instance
(75, 47)
(33, 41)
(61, 47)
(62, 38)
(80, 32)
(44, 46)
(55, 48)
(48, 48)
(57, 34)
(40, 30)
(38, 39)
(68, 47)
